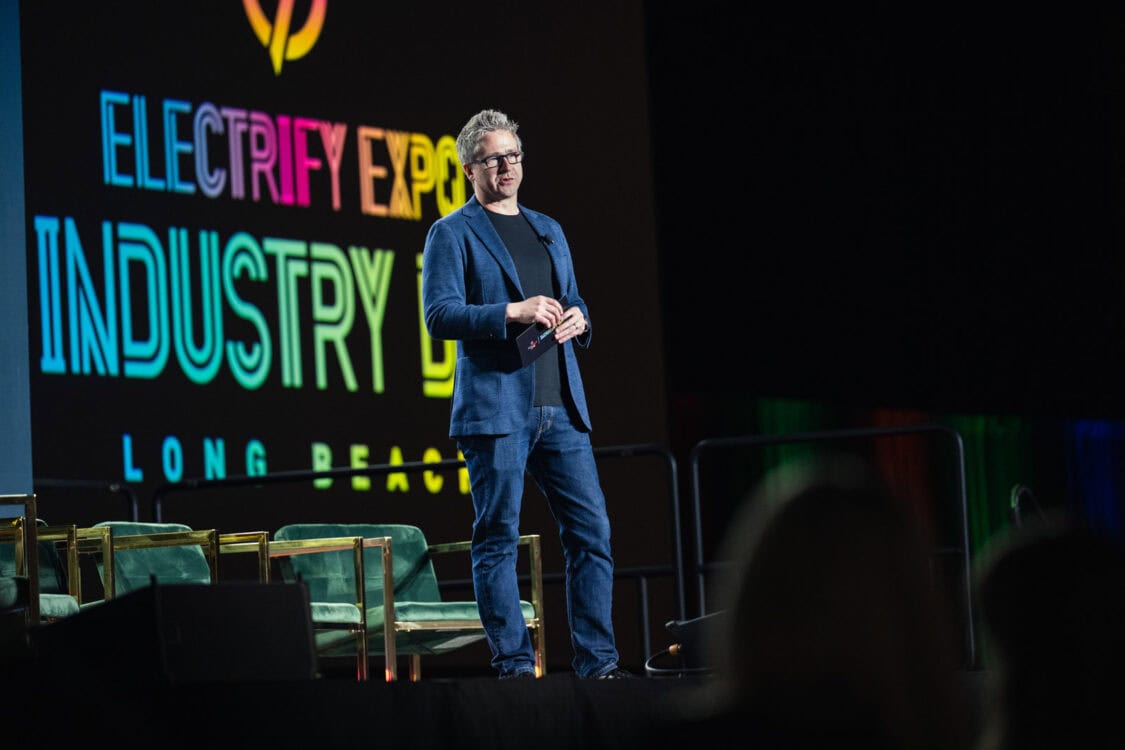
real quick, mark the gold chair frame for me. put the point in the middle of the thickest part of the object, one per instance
(25, 535)
(206, 539)
(82, 540)
(535, 624)
(75, 539)
(102, 541)
(257, 542)
(391, 625)
(356, 544)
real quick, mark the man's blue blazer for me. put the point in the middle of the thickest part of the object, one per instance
(468, 279)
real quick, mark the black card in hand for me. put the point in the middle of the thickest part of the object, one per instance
(535, 341)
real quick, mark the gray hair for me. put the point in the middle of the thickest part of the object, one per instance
(483, 122)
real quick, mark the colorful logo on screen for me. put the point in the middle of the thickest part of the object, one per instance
(275, 35)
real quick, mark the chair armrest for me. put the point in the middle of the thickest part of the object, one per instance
(535, 559)
(438, 549)
(444, 547)
(207, 539)
(290, 547)
(249, 541)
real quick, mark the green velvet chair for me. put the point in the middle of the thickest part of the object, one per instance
(356, 609)
(19, 578)
(345, 617)
(59, 594)
(74, 541)
(44, 586)
(168, 553)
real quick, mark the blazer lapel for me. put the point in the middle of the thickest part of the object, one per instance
(481, 225)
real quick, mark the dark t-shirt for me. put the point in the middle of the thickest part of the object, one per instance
(533, 264)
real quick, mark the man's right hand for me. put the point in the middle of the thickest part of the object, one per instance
(538, 309)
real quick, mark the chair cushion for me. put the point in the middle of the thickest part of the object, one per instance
(424, 642)
(54, 606)
(425, 612)
(334, 612)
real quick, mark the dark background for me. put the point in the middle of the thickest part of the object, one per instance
(902, 209)
(869, 218)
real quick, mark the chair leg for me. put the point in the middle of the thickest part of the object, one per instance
(540, 652)
(390, 655)
(361, 656)
(415, 667)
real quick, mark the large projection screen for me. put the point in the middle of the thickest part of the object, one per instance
(226, 205)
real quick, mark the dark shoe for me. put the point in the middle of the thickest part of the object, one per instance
(617, 673)
(525, 675)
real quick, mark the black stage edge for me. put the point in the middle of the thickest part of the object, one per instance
(555, 711)
(231, 664)
(187, 633)
(163, 667)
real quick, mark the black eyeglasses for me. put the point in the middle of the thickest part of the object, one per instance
(493, 162)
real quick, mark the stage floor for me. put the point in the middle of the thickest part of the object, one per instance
(555, 711)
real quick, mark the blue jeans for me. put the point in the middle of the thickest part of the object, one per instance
(559, 457)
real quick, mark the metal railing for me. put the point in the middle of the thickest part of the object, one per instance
(112, 487)
(711, 444)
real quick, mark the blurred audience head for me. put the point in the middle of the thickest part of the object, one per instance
(833, 626)
(1051, 598)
